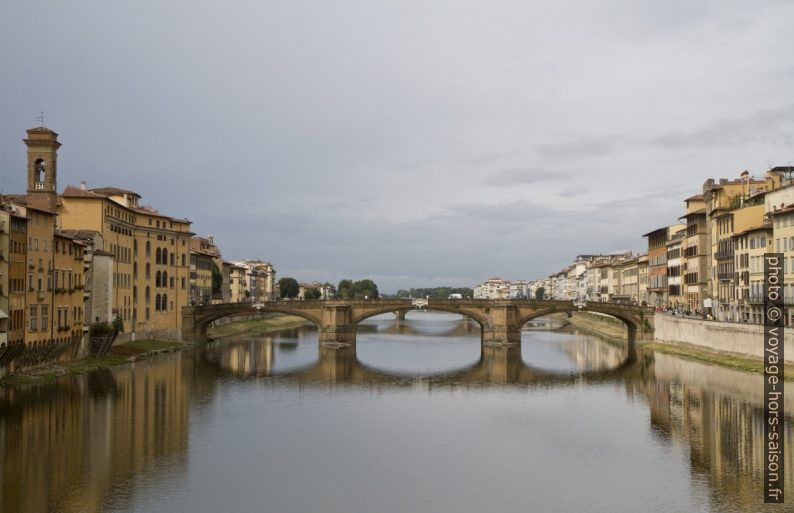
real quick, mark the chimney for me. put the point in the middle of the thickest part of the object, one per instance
(83, 185)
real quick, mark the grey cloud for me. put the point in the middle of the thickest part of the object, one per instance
(391, 139)
(524, 176)
(597, 146)
(765, 124)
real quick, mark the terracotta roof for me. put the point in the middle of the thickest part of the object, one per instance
(80, 234)
(784, 210)
(24, 200)
(76, 192)
(695, 197)
(700, 211)
(656, 230)
(205, 253)
(40, 129)
(114, 191)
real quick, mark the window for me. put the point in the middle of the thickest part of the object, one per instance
(33, 320)
(147, 297)
(45, 312)
(157, 279)
(148, 248)
(148, 270)
(157, 303)
(164, 305)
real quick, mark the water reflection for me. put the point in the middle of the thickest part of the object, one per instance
(429, 356)
(67, 444)
(275, 423)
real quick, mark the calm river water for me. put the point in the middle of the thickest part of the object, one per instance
(417, 419)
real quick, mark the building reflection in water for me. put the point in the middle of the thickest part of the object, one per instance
(718, 415)
(69, 444)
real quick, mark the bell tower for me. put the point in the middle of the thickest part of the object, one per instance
(43, 147)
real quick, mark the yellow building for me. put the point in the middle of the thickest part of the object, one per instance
(5, 249)
(238, 283)
(783, 237)
(201, 277)
(751, 244)
(696, 254)
(68, 282)
(205, 259)
(150, 250)
(732, 206)
(150, 256)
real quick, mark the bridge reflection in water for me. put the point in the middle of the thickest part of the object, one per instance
(496, 365)
(122, 439)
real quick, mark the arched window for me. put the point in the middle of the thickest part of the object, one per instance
(157, 256)
(40, 174)
(165, 256)
(172, 259)
(134, 293)
(157, 279)
(164, 302)
(148, 295)
(157, 303)
(148, 248)
(148, 270)
(164, 281)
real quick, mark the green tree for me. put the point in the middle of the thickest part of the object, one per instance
(540, 293)
(289, 287)
(217, 280)
(331, 289)
(312, 294)
(345, 289)
(365, 288)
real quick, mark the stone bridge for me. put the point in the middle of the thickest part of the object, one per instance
(337, 319)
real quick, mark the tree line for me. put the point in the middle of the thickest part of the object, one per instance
(347, 289)
(435, 292)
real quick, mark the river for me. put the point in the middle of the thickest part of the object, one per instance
(416, 419)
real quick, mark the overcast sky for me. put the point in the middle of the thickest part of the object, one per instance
(417, 143)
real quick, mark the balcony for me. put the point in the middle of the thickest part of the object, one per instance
(724, 254)
(725, 276)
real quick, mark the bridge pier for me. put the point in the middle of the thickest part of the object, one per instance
(337, 328)
(502, 327)
(400, 315)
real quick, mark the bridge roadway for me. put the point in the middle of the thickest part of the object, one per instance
(500, 320)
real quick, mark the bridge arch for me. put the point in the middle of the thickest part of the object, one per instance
(474, 316)
(634, 321)
(202, 321)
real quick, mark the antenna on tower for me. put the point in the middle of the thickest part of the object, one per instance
(40, 118)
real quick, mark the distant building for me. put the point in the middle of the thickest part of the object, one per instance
(493, 288)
